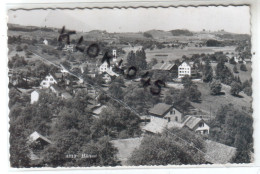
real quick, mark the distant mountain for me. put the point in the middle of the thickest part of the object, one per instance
(180, 32)
(158, 34)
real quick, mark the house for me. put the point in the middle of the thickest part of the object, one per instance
(184, 69)
(104, 67)
(196, 124)
(48, 81)
(35, 96)
(114, 55)
(96, 111)
(158, 125)
(38, 141)
(45, 42)
(165, 111)
(247, 61)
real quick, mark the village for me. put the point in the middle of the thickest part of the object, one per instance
(131, 94)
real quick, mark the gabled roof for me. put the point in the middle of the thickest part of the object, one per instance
(160, 109)
(98, 110)
(218, 153)
(189, 64)
(35, 136)
(163, 66)
(191, 122)
(159, 125)
(66, 95)
(58, 75)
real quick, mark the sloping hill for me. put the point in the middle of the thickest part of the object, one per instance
(212, 103)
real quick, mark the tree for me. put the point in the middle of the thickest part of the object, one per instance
(148, 35)
(115, 119)
(140, 57)
(186, 81)
(116, 90)
(223, 73)
(215, 87)
(166, 149)
(235, 88)
(243, 67)
(207, 72)
(19, 48)
(235, 69)
(234, 127)
(232, 61)
(131, 60)
(154, 61)
(193, 93)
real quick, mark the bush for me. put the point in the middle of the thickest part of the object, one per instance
(243, 67)
(235, 69)
(248, 91)
(215, 87)
(19, 48)
(235, 88)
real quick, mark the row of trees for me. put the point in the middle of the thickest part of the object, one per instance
(234, 127)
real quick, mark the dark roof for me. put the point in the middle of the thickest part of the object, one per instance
(160, 109)
(217, 153)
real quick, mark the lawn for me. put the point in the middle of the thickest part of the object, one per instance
(213, 103)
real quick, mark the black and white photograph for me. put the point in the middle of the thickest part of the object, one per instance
(132, 87)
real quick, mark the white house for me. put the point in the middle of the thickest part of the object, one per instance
(35, 96)
(45, 42)
(48, 81)
(68, 47)
(104, 67)
(197, 125)
(184, 69)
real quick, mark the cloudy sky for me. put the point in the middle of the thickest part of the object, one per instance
(231, 19)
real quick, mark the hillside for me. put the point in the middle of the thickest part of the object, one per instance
(213, 103)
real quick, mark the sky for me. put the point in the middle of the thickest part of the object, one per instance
(232, 19)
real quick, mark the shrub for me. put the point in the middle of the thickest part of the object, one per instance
(19, 48)
(215, 87)
(243, 67)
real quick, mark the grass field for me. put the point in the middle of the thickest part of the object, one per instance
(213, 103)
(177, 53)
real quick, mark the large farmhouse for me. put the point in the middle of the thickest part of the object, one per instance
(184, 69)
(165, 111)
(164, 116)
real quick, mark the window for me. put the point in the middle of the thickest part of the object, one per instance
(44, 83)
(176, 118)
(51, 79)
(169, 119)
(173, 111)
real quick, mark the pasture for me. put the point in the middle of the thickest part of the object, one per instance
(171, 54)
